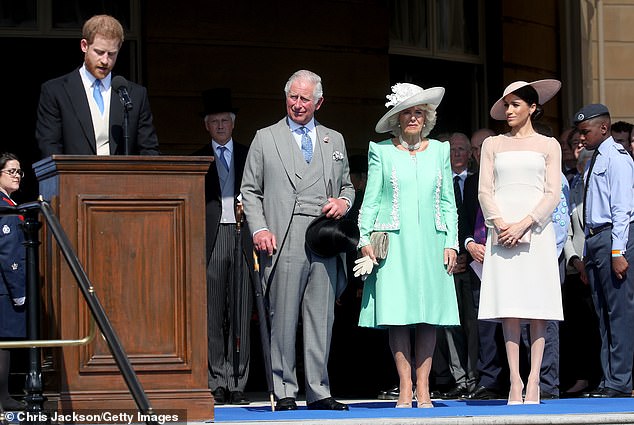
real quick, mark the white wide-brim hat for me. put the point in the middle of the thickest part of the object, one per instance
(406, 95)
(545, 89)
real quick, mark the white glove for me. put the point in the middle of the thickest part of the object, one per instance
(363, 267)
(19, 301)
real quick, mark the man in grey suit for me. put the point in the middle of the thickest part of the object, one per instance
(296, 170)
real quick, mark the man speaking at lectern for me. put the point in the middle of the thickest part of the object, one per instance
(82, 113)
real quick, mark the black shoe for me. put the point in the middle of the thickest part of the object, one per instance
(286, 403)
(11, 404)
(220, 396)
(238, 397)
(548, 396)
(454, 393)
(482, 393)
(607, 393)
(390, 394)
(572, 394)
(328, 403)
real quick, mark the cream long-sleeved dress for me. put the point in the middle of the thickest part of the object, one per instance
(521, 176)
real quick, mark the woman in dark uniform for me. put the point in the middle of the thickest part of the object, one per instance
(12, 274)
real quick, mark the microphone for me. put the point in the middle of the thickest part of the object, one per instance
(120, 85)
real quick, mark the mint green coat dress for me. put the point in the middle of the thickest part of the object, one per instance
(412, 199)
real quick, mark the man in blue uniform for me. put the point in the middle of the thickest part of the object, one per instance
(608, 212)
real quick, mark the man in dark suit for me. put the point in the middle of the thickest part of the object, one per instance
(222, 187)
(461, 343)
(491, 352)
(80, 114)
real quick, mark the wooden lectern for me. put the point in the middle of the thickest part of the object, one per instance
(137, 224)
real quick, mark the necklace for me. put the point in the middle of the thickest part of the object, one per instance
(409, 147)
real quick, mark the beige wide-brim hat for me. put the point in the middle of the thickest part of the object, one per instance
(545, 89)
(406, 95)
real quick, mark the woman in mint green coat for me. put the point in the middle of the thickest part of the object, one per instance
(409, 195)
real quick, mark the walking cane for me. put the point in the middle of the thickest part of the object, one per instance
(237, 293)
(264, 326)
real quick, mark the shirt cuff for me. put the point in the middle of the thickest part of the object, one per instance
(348, 202)
(259, 230)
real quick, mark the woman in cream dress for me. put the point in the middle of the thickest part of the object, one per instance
(520, 186)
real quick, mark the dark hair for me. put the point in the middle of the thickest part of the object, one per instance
(6, 157)
(622, 126)
(529, 95)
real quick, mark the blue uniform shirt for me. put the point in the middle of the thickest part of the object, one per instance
(561, 215)
(610, 196)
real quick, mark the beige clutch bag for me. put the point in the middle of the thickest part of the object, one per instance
(380, 243)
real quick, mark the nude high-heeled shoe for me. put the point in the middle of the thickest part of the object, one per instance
(530, 401)
(514, 402)
(403, 405)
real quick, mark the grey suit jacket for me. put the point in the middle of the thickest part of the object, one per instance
(269, 181)
(576, 235)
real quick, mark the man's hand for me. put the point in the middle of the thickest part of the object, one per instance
(476, 251)
(619, 265)
(335, 208)
(580, 266)
(264, 241)
(461, 263)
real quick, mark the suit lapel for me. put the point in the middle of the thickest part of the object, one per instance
(283, 144)
(323, 141)
(77, 98)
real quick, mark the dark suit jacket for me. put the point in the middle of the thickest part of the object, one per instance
(467, 213)
(213, 201)
(64, 124)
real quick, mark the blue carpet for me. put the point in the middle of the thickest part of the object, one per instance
(442, 408)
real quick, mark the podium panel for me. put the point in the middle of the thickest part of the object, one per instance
(137, 224)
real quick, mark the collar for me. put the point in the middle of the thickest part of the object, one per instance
(228, 145)
(89, 79)
(310, 125)
(463, 175)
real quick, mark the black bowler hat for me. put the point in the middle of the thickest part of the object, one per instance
(216, 101)
(590, 111)
(328, 237)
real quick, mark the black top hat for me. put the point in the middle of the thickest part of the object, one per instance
(328, 237)
(216, 101)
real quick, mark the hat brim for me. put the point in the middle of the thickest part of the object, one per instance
(328, 237)
(546, 90)
(203, 114)
(431, 96)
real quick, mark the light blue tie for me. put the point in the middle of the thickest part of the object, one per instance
(221, 157)
(96, 93)
(307, 144)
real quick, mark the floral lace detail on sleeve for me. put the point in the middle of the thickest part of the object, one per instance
(438, 216)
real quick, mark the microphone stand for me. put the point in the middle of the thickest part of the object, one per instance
(126, 135)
